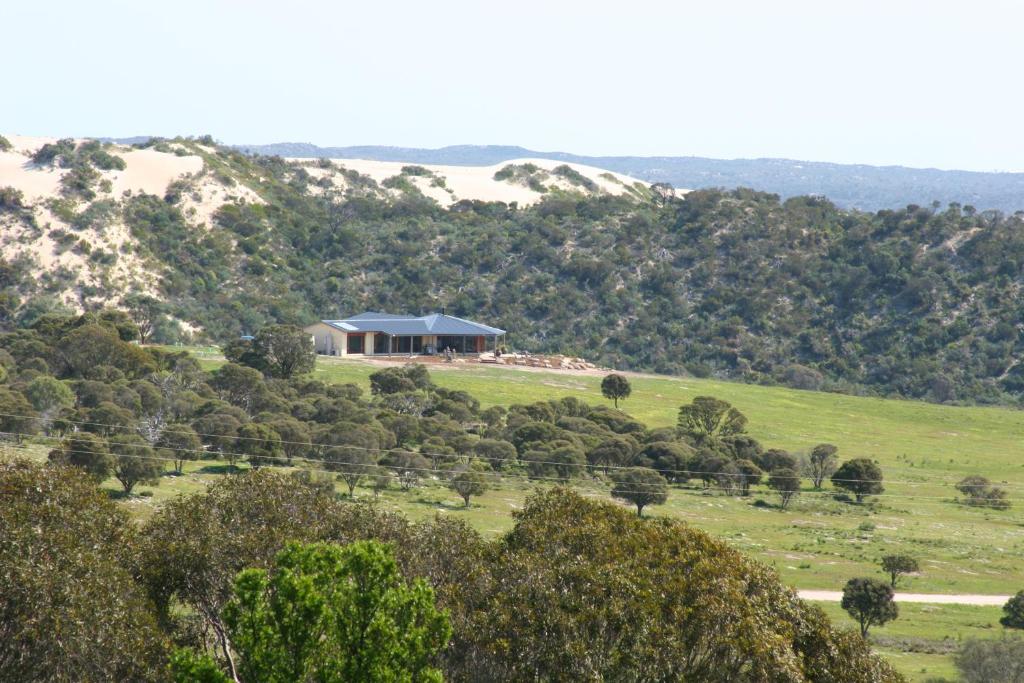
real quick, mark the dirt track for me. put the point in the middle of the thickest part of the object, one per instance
(935, 598)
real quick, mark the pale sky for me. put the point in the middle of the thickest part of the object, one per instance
(896, 82)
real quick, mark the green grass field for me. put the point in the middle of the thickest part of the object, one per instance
(819, 542)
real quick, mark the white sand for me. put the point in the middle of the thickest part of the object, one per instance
(477, 182)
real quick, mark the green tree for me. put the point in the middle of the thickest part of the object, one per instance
(179, 442)
(468, 483)
(749, 475)
(1013, 612)
(708, 419)
(260, 444)
(409, 467)
(352, 463)
(134, 461)
(869, 602)
(897, 565)
(861, 477)
(17, 416)
(283, 351)
(86, 451)
(615, 387)
(381, 480)
(785, 482)
(71, 608)
(332, 613)
(48, 396)
(613, 451)
(640, 486)
(821, 463)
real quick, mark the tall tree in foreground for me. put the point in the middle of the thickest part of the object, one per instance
(615, 387)
(69, 609)
(640, 486)
(860, 476)
(332, 613)
(869, 602)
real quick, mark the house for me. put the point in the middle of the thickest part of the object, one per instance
(382, 334)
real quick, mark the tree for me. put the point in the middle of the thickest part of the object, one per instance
(219, 431)
(613, 451)
(989, 661)
(260, 443)
(869, 602)
(749, 475)
(147, 313)
(640, 486)
(353, 464)
(179, 442)
(495, 452)
(134, 461)
(333, 613)
(238, 385)
(380, 480)
(86, 451)
(708, 419)
(71, 608)
(468, 483)
(17, 417)
(822, 463)
(1013, 612)
(980, 492)
(283, 351)
(785, 482)
(615, 387)
(897, 565)
(48, 396)
(860, 476)
(409, 467)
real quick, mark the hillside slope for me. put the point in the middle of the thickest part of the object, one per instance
(734, 285)
(854, 186)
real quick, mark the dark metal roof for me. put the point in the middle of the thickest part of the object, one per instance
(402, 325)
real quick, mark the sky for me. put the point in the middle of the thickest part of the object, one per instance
(928, 84)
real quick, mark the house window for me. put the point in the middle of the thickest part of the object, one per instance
(356, 343)
(380, 343)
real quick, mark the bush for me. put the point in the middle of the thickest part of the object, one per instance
(991, 661)
(5, 144)
(981, 493)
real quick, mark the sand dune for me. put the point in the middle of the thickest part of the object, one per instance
(477, 182)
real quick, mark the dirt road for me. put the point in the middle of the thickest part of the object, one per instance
(935, 598)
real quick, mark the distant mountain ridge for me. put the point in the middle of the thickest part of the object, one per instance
(855, 186)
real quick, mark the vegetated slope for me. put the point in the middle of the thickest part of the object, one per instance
(738, 285)
(855, 186)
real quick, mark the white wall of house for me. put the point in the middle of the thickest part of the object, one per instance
(329, 341)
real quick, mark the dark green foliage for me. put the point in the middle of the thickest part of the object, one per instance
(1013, 612)
(615, 387)
(640, 486)
(861, 477)
(989, 661)
(980, 492)
(281, 351)
(87, 452)
(468, 483)
(869, 602)
(71, 610)
(897, 565)
(785, 482)
(5, 144)
(707, 420)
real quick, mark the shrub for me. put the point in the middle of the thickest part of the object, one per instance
(991, 661)
(5, 144)
(981, 493)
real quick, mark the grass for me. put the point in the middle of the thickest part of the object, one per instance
(818, 542)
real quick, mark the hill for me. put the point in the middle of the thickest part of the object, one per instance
(742, 285)
(852, 186)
